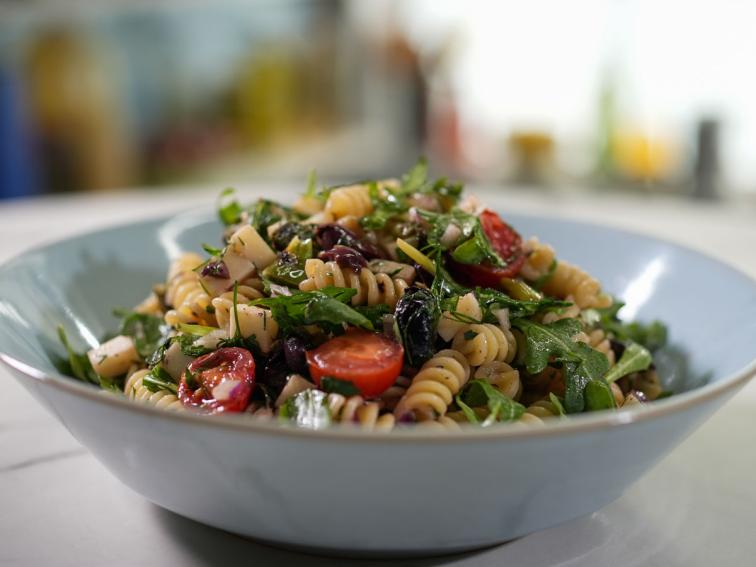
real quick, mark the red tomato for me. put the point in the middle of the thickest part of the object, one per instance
(508, 245)
(222, 381)
(369, 360)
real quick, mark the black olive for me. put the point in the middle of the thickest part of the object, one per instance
(345, 257)
(416, 316)
(294, 351)
(329, 235)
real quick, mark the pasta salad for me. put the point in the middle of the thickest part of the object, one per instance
(379, 304)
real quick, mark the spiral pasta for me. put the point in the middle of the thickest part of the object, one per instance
(484, 342)
(565, 279)
(372, 289)
(136, 390)
(391, 396)
(434, 386)
(355, 409)
(502, 376)
(350, 200)
(542, 409)
(443, 423)
(184, 294)
(450, 323)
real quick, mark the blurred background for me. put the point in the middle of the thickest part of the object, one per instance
(609, 95)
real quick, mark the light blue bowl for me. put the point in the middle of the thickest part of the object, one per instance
(408, 492)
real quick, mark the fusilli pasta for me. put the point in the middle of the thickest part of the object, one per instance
(435, 385)
(484, 342)
(372, 289)
(184, 294)
(136, 390)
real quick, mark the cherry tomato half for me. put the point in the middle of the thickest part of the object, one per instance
(369, 360)
(219, 382)
(507, 243)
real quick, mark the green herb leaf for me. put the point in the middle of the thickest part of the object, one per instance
(581, 362)
(265, 213)
(415, 178)
(158, 379)
(472, 247)
(148, 331)
(467, 410)
(212, 250)
(79, 366)
(554, 399)
(326, 308)
(481, 393)
(337, 386)
(307, 409)
(229, 210)
(373, 313)
(79, 363)
(196, 330)
(186, 342)
(490, 300)
(653, 335)
(598, 396)
(636, 358)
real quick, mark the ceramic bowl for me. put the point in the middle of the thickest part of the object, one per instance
(343, 490)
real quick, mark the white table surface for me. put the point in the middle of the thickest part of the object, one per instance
(59, 506)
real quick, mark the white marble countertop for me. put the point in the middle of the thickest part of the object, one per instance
(59, 506)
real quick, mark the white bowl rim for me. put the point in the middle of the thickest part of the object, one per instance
(554, 427)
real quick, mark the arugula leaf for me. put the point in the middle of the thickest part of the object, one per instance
(635, 359)
(188, 347)
(384, 208)
(326, 308)
(229, 210)
(148, 331)
(307, 409)
(265, 213)
(598, 396)
(467, 410)
(557, 403)
(79, 366)
(481, 393)
(490, 299)
(444, 285)
(196, 330)
(415, 178)
(79, 363)
(312, 184)
(472, 246)
(212, 250)
(158, 379)
(337, 386)
(581, 362)
(374, 313)
(653, 335)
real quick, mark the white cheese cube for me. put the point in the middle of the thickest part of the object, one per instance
(114, 357)
(239, 269)
(254, 321)
(247, 242)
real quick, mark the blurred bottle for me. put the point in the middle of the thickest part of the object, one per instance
(17, 168)
(532, 153)
(706, 169)
(77, 113)
(266, 95)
